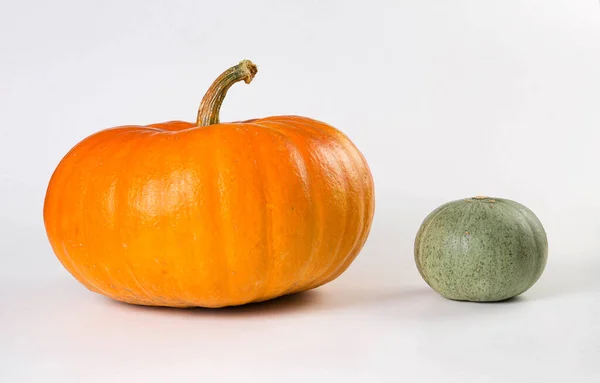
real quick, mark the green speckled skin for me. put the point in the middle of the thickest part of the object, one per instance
(481, 249)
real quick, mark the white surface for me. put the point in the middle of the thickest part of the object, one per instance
(445, 99)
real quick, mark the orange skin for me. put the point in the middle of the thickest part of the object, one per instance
(181, 215)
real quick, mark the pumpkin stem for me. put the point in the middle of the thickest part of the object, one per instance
(208, 112)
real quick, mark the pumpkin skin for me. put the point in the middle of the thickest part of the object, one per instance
(481, 249)
(181, 215)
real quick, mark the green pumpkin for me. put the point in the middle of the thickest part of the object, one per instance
(481, 249)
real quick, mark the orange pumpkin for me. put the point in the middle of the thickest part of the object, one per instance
(210, 214)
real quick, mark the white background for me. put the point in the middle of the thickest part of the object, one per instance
(446, 99)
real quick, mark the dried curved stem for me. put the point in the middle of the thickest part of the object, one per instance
(208, 112)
